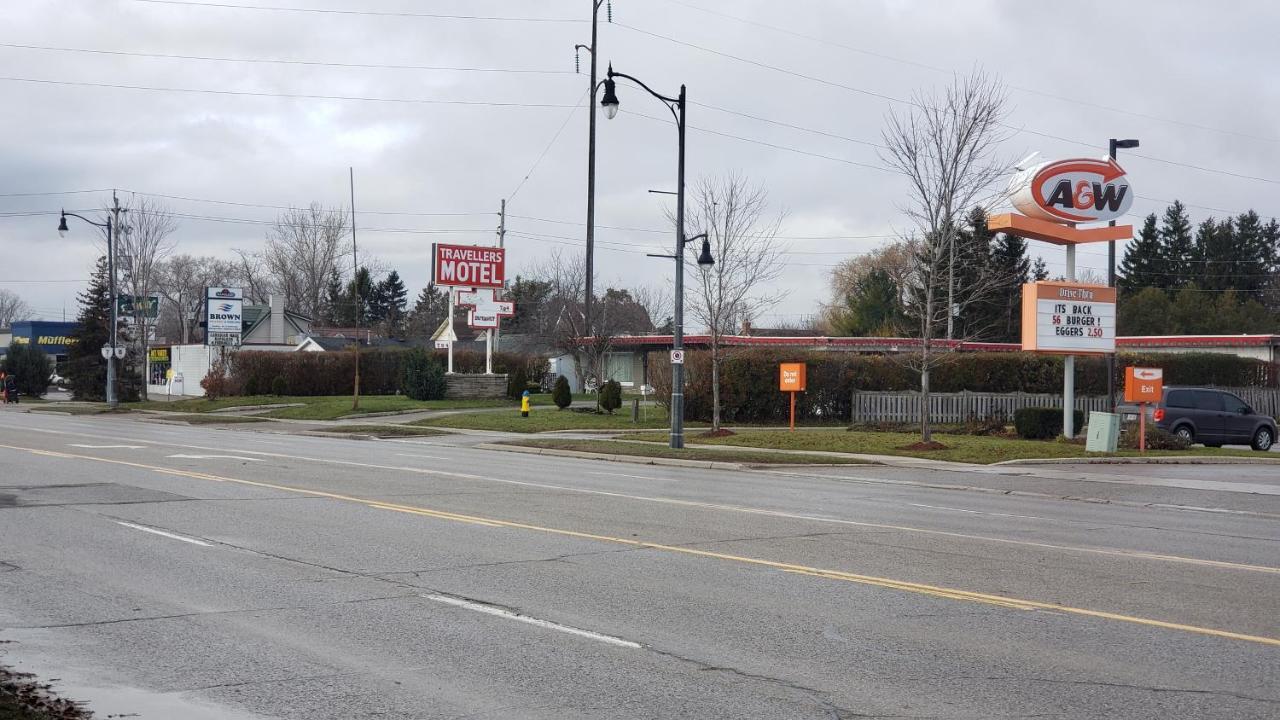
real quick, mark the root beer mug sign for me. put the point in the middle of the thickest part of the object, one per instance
(1068, 318)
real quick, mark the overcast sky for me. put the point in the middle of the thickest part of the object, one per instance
(1194, 81)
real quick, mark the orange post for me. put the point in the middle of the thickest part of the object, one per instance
(1142, 427)
(791, 379)
(793, 411)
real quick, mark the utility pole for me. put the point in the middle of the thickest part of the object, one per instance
(113, 225)
(502, 237)
(591, 171)
(355, 288)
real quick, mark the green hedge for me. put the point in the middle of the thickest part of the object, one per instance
(749, 378)
(1042, 423)
(332, 373)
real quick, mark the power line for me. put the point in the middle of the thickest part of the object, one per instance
(371, 13)
(280, 61)
(935, 68)
(902, 101)
(568, 116)
(293, 96)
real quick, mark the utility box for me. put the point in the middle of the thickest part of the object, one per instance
(1104, 432)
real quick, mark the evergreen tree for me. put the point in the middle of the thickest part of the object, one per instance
(1039, 271)
(354, 309)
(873, 308)
(530, 297)
(973, 252)
(388, 303)
(1253, 255)
(1214, 257)
(1143, 264)
(429, 311)
(333, 300)
(86, 369)
(1145, 311)
(1009, 255)
(1177, 247)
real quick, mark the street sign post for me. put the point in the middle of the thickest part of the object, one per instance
(791, 379)
(1143, 385)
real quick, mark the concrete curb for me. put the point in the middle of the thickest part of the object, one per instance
(246, 408)
(633, 459)
(1189, 460)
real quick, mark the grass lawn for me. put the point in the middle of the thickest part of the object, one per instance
(960, 448)
(323, 407)
(198, 419)
(79, 409)
(754, 457)
(543, 420)
(384, 430)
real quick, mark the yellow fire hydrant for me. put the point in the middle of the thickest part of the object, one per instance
(524, 404)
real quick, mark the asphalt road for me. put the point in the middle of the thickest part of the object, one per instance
(177, 572)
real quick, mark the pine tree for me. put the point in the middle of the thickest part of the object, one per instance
(354, 308)
(333, 300)
(1215, 255)
(1143, 264)
(1009, 256)
(1039, 271)
(86, 369)
(428, 312)
(873, 308)
(1177, 247)
(1254, 261)
(388, 305)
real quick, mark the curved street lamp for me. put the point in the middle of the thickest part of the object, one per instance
(111, 273)
(676, 105)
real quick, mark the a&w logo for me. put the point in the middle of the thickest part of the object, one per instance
(1082, 190)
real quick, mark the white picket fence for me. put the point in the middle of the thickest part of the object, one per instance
(905, 407)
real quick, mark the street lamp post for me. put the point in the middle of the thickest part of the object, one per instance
(677, 107)
(1113, 145)
(111, 275)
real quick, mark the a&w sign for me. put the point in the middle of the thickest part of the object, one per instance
(1081, 190)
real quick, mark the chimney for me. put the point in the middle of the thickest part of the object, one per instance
(275, 321)
(746, 327)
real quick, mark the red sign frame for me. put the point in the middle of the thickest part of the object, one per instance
(471, 266)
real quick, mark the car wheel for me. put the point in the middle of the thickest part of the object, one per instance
(1263, 439)
(1184, 432)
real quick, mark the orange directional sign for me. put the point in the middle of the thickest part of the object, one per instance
(791, 377)
(1143, 385)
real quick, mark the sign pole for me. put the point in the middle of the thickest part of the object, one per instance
(1069, 366)
(1142, 427)
(449, 370)
(488, 352)
(793, 411)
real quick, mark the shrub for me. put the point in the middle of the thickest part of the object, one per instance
(517, 382)
(423, 376)
(611, 396)
(30, 369)
(1042, 423)
(279, 386)
(220, 382)
(560, 394)
(1157, 439)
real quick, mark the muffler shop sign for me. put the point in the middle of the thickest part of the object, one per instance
(471, 266)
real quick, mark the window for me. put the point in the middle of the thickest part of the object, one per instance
(618, 366)
(1233, 404)
(1179, 399)
(1208, 400)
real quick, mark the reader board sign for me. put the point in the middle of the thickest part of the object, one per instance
(1068, 318)
(1143, 385)
(224, 312)
(471, 266)
(791, 377)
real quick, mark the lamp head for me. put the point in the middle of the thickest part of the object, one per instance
(62, 225)
(704, 258)
(610, 100)
(1127, 144)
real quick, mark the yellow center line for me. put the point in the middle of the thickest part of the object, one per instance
(872, 580)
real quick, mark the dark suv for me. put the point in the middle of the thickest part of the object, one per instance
(1208, 416)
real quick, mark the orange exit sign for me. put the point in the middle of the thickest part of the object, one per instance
(791, 377)
(1143, 384)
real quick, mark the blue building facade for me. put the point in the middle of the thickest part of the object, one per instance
(52, 337)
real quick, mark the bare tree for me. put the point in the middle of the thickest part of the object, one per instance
(945, 146)
(141, 246)
(303, 249)
(657, 303)
(182, 280)
(744, 242)
(12, 308)
(565, 322)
